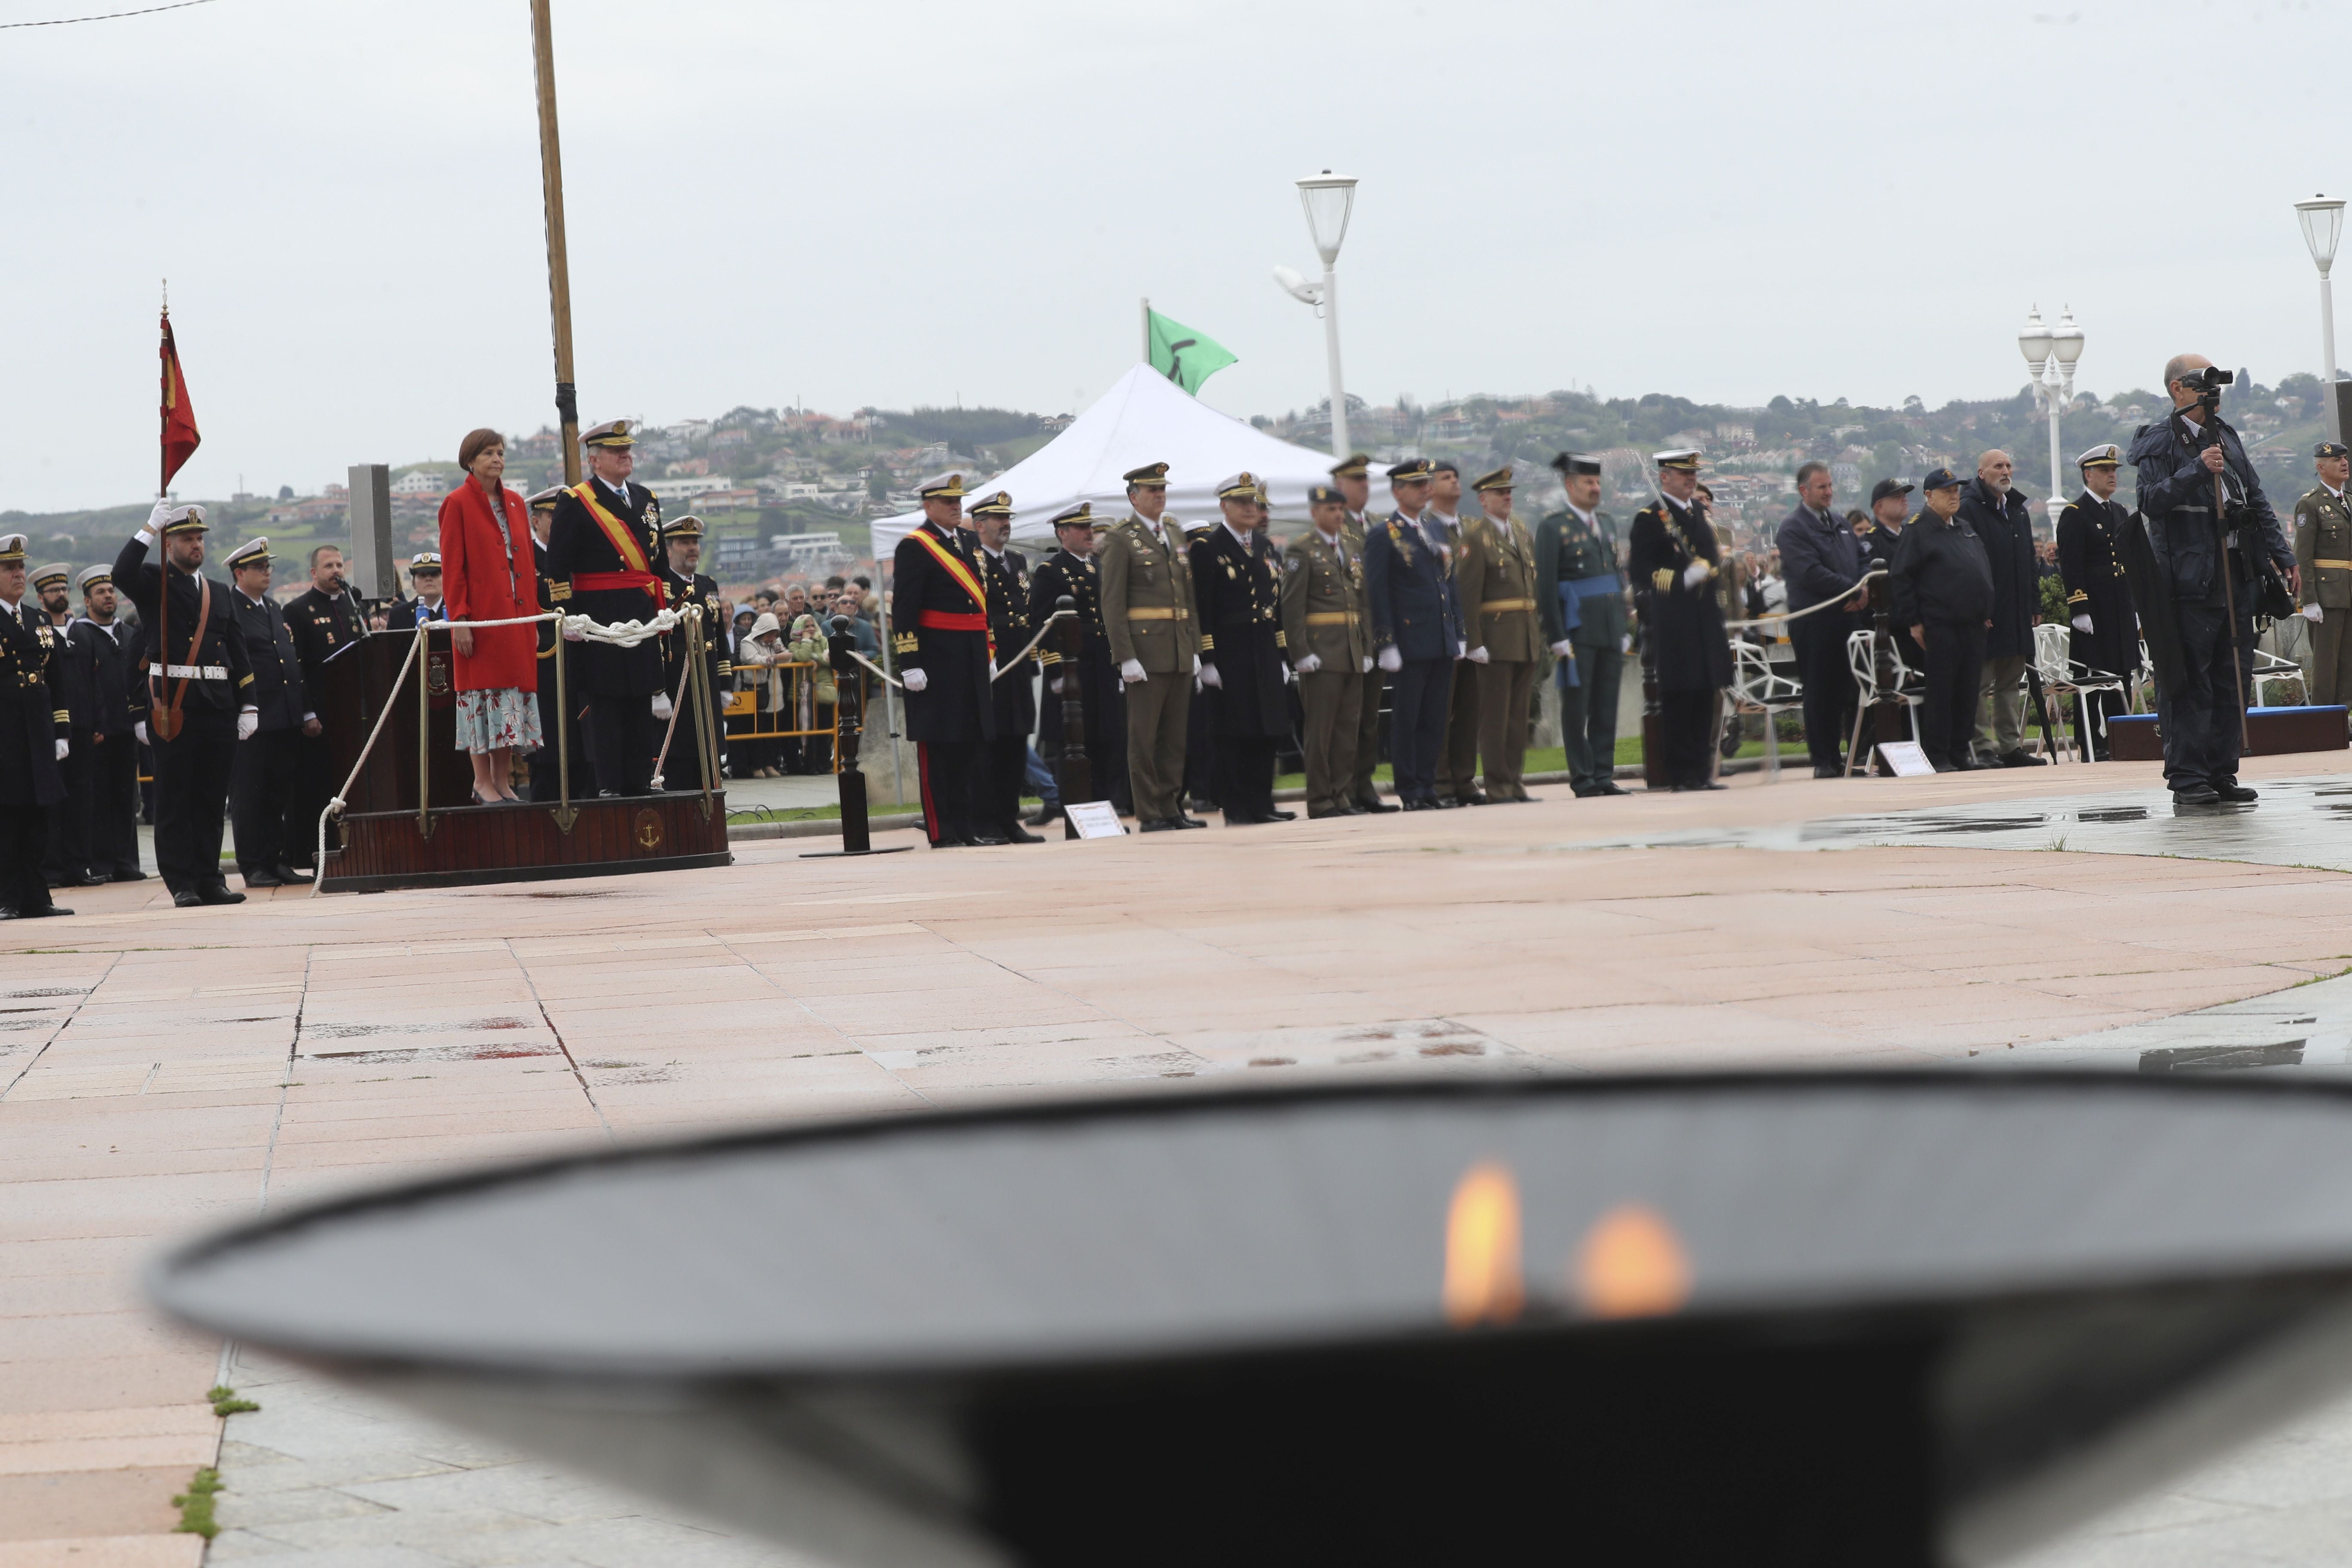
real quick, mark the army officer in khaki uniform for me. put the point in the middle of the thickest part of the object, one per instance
(1330, 646)
(1146, 611)
(2323, 560)
(1495, 571)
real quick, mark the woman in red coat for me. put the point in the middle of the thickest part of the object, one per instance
(488, 573)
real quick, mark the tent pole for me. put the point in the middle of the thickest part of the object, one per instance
(1147, 328)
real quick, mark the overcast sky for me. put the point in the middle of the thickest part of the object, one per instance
(894, 203)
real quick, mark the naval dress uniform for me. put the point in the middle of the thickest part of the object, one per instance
(1672, 553)
(601, 555)
(35, 733)
(1238, 592)
(1148, 608)
(1496, 577)
(546, 764)
(1003, 767)
(103, 767)
(1327, 639)
(1101, 704)
(940, 639)
(2106, 634)
(2323, 559)
(324, 624)
(1581, 600)
(684, 768)
(198, 674)
(264, 804)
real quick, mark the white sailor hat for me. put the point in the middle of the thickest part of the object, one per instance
(185, 519)
(1683, 458)
(1238, 487)
(252, 552)
(2105, 454)
(93, 576)
(547, 497)
(53, 575)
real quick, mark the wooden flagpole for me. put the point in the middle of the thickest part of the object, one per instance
(559, 272)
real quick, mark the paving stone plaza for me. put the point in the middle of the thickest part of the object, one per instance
(163, 1071)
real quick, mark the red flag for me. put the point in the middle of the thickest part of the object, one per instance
(180, 438)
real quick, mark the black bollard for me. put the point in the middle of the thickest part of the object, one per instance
(849, 714)
(1074, 770)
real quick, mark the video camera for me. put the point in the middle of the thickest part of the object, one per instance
(2208, 385)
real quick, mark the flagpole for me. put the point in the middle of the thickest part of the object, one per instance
(558, 270)
(163, 411)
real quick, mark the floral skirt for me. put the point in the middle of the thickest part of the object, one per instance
(501, 718)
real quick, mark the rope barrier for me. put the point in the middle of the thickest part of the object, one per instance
(995, 673)
(335, 806)
(1798, 615)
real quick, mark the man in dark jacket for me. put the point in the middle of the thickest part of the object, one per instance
(1673, 555)
(2181, 461)
(1941, 585)
(265, 804)
(2000, 517)
(1821, 562)
(105, 707)
(1417, 627)
(2106, 631)
(324, 621)
(1237, 584)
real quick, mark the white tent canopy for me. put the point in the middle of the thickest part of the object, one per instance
(1145, 418)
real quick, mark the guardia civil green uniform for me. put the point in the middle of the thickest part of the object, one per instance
(1147, 616)
(2323, 559)
(1495, 573)
(1329, 643)
(1362, 793)
(1581, 600)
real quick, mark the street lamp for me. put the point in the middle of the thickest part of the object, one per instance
(2050, 355)
(1329, 199)
(2323, 223)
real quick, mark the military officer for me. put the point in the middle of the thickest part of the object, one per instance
(324, 618)
(2106, 631)
(1352, 476)
(1457, 755)
(264, 803)
(102, 783)
(199, 702)
(546, 774)
(1495, 573)
(2323, 559)
(424, 580)
(1417, 629)
(1328, 642)
(939, 636)
(34, 730)
(1071, 573)
(49, 588)
(1673, 555)
(1237, 588)
(681, 554)
(62, 857)
(1580, 602)
(601, 556)
(1004, 757)
(1147, 605)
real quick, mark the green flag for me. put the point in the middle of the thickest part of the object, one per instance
(1184, 356)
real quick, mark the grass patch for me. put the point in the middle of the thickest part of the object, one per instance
(227, 1402)
(196, 1505)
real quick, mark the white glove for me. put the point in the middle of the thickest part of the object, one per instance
(1367, 670)
(154, 528)
(140, 729)
(1309, 665)
(1461, 648)
(1289, 676)
(1625, 643)
(1131, 672)
(1391, 660)
(246, 724)
(63, 747)
(1208, 674)
(1563, 648)
(2313, 613)
(1054, 686)
(914, 680)
(1478, 656)
(2082, 624)
(661, 705)
(1694, 573)
(1196, 664)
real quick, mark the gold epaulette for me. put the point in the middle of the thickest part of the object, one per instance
(559, 592)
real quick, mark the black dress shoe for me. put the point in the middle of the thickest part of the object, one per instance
(1417, 804)
(1323, 812)
(1830, 773)
(88, 879)
(1609, 788)
(134, 874)
(46, 909)
(261, 878)
(1160, 824)
(218, 893)
(1282, 817)
(8, 913)
(290, 875)
(186, 899)
(2234, 791)
(1181, 821)
(2197, 795)
(1473, 798)
(987, 840)
(2021, 758)
(1375, 805)
(1015, 834)
(1245, 819)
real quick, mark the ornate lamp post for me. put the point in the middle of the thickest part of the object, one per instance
(1329, 199)
(2322, 224)
(2050, 355)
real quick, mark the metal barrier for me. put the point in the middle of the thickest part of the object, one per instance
(746, 720)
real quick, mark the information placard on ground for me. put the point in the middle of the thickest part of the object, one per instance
(1905, 758)
(1096, 819)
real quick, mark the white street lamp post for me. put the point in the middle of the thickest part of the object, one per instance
(2050, 355)
(1329, 199)
(2323, 223)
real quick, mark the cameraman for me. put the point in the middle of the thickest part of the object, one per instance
(2206, 560)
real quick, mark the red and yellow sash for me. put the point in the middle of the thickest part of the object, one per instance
(636, 572)
(959, 569)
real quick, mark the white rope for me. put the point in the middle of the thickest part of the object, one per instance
(995, 674)
(1798, 614)
(335, 806)
(877, 669)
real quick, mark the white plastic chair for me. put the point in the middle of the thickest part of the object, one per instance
(1757, 688)
(2269, 668)
(2062, 677)
(1862, 658)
